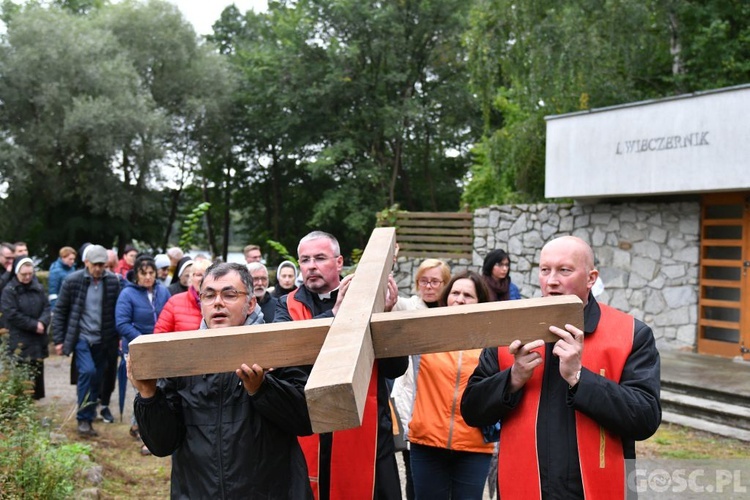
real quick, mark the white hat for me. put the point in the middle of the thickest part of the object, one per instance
(162, 260)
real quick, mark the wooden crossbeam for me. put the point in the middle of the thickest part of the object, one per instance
(473, 326)
(343, 349)
(393, 334)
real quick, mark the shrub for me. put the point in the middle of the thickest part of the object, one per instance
(30, 465)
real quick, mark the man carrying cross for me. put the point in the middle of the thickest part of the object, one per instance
(360, 462)
(570, 410)
(231, 435)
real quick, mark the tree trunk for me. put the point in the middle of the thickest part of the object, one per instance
(174, 201)
(675, 47)
(227, 215)
(209, 225)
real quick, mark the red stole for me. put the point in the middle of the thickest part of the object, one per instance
(353, 451)
(602, 463)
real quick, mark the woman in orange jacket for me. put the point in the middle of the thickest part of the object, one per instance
(449, 459)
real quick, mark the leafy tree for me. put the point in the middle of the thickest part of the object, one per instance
(350, 106)
(531, 59)
(710, 43)
(100, 106)
(70, 99)
(275, 120)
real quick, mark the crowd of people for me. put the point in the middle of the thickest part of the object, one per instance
(536, 420)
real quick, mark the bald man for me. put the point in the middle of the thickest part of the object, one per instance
(572, 410)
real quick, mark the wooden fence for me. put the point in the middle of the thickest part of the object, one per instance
(446, 235)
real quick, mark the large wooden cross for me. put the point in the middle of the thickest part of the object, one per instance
(343, 349)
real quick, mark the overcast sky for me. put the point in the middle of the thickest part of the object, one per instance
(204, 13)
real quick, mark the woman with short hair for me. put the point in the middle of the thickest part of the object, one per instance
(138, 307)
(429, 281)
(58, 271)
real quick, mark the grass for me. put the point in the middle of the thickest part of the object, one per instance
(126, 473)
(676, 442)
(32, 465)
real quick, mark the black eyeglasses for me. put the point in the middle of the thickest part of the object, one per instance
(228, 296)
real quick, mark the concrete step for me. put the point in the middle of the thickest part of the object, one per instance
(706, 426)
(710, 410)
(703, 391)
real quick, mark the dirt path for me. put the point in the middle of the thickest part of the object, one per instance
(126, 473)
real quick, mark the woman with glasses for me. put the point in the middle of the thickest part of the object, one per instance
(431, 277)
(26, 311)
(138, 307)
(496, 274)
(449, 459)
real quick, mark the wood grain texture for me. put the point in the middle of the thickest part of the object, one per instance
(337, 387)
(393, 334)
(222, 350)
(473, 326)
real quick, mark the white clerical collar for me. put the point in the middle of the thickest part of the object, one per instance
(327, 295)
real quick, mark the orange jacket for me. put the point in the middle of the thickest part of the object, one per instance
(436, 419)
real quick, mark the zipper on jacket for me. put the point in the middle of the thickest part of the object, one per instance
(219, 428)
(452, 422)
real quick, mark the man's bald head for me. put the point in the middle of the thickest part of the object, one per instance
(566, 267)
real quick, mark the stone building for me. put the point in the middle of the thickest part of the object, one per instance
(661, 190)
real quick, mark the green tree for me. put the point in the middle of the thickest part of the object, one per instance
(276, 120)
(102, 109)
(70, 101)
(532, 59)
(709, 43)
(348, 107)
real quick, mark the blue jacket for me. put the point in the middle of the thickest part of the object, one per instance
(135, 314)
(58, 271)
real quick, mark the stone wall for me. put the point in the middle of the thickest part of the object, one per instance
(647, 255)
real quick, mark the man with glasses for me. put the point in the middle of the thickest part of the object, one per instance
(340, 464)
(266, 301)
(231, 435)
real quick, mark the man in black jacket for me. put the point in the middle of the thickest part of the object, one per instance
(231, 435)
(343, 471)
(266, 301)
(83, 324)
(570, 410)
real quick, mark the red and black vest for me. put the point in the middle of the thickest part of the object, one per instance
(353, 451)
(600, 451)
